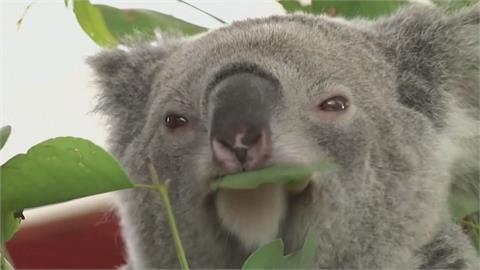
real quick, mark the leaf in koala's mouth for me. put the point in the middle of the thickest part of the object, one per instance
(291, 175)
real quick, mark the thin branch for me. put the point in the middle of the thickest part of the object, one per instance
(203, 11)
(162, 188)
(20, 21)
(152, 172)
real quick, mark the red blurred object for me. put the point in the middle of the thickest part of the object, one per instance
(87, 241)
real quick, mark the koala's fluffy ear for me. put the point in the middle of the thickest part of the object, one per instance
(125, 79)
(435, 53)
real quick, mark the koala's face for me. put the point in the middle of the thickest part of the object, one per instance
(257, 94)
(287, 90)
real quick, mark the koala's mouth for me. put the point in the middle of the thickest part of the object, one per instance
(294, 177)
(253, 210)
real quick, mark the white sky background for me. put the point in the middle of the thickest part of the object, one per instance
(47, 89)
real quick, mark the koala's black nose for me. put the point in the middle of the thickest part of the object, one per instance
(240, 132)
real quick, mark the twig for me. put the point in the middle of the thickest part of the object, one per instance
(162, 188)
(20, 21)
(5, 260)
(203, 11)
(152, 172)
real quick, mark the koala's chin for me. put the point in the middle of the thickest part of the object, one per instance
(253, 216)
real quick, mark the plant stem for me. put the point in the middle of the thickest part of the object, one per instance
(5, 260)
(162, 188)
(203, 11)
(20, 21)
(153, 172)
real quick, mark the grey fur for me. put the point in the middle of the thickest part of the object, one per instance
(408, 76)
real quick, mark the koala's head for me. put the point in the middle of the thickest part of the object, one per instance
(291, 90)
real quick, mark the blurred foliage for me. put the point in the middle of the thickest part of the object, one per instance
(109, 26)
(58, 170)
(455, 4)
(53, 171)
(347, 8)
(4, 134)
(464, 200)
(270, 256)
(470, 225)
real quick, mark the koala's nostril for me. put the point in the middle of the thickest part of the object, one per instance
(224, 143)
(252, 137)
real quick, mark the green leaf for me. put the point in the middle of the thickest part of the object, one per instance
(6, 265)
(108, 26)
(266, 257)
(58, 170)
(20, 21)
(470, 225)
(93, 24)
(9, 224)
(455, 4)
(4, 134)
(303, 258)
(5, 261)
(347, 8)
(292, 6)
(291, 175)
(462, 204)
(126, 22)
(271, 255)
(463, 198)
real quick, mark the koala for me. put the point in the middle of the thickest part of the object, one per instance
(387, 100)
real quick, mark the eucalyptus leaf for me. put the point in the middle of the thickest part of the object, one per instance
(345, 8)
(292, 6)
(462, 204)
(279, 174)
(58, 170)
(470, 225)
(271, 255)
(93, 24)
(10, 225)
(126, 22)
(4, 134)
(463, 198)
(455, 4)
(109, 26)
(6, 264)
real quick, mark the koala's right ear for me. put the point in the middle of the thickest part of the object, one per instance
(436, 53)
(125, 79)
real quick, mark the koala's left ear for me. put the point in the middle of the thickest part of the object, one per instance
(125, 79)
(435, 53)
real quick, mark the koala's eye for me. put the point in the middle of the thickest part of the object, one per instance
(334, 104)
(173, 121)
